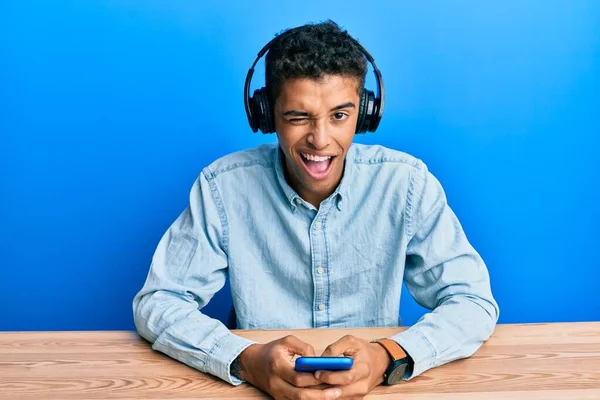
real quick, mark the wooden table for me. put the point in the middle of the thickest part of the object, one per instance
(541, 361)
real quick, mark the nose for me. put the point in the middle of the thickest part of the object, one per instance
(319, 136)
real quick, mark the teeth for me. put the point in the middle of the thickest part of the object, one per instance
(315, 158)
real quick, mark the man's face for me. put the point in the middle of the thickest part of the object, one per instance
(315, 122)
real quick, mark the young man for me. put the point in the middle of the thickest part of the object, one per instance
(316, 232)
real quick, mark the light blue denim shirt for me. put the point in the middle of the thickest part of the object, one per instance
(292, 265)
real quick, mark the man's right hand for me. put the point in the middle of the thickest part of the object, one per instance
(270, 367)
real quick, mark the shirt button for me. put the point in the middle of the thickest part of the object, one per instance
(298, 201)
(318, 224)
(321, 307)
(320, 270)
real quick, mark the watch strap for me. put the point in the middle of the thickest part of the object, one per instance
(393, 348)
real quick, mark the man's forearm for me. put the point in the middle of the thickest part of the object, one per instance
(239, 364)
(236, 368)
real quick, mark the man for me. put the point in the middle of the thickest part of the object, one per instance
(316, 232)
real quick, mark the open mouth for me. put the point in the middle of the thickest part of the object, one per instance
(317, 167)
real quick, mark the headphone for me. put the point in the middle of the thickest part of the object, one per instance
(259, 111)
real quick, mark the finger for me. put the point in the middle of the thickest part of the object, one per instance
(297, 346)
(357, 389)
(298, 379)
(346, 346)
(291, 392)
(358, 372)
(285, 390)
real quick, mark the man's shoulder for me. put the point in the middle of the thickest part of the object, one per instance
(363, 154)
(262, 155)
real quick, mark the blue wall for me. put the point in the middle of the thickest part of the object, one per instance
(109, 110)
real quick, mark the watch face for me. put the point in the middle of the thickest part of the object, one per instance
(397, 374)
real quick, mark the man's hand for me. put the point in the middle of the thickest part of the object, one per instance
(270, 367)
(370, 362)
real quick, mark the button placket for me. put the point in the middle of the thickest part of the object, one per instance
(320, 260)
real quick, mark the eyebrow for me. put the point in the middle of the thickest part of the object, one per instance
(296, 113)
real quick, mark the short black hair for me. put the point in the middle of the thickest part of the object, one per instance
(313, 51)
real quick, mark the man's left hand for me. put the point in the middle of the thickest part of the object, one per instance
(370, 362)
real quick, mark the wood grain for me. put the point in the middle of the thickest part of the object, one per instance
(536, 361)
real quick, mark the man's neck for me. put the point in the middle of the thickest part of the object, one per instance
(309, 197)
(313, 199)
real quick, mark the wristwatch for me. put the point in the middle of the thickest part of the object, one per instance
(401, 363)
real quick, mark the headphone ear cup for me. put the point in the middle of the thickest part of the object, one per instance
(362, 109)
(261, 110)
(269, 121)
(257, 113)
(377, 113)
(369, 115)
(253, 116)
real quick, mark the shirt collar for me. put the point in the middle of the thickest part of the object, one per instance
(289, 193)
(340, 193)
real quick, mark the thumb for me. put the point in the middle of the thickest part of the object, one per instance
(332, 393)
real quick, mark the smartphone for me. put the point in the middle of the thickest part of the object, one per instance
(311, 364)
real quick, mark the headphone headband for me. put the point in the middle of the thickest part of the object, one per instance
(376, 108)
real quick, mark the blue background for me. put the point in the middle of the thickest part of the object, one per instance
(110, 109)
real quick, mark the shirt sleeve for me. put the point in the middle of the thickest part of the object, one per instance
(445, 274)
(188, 268)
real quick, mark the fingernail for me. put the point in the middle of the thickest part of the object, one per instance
(337, 393)
(317, 374)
